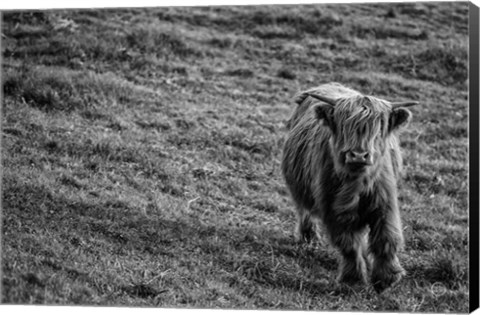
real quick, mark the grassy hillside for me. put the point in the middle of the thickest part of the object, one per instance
(141, 152)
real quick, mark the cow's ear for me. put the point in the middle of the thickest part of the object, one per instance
(399, 118)
(324, 113)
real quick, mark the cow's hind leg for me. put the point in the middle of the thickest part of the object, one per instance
(304, 230)
(352, 246)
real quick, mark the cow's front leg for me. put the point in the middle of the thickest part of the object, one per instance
(386, 240)
(352, 245)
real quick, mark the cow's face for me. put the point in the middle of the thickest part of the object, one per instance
(360, 126)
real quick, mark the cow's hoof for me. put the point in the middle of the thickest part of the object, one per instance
(351, 278)
(381, 282)
(304, 236)
(353, 273)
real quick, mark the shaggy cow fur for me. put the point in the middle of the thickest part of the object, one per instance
(341, 162)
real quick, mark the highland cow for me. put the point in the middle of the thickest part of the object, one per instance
(341, 163)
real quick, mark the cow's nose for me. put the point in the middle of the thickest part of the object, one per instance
(362, 157)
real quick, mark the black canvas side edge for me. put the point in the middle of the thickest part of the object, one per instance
(473, 155)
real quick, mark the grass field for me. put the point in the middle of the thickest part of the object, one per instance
(141, 152)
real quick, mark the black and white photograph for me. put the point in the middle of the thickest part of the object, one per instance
(287, 157)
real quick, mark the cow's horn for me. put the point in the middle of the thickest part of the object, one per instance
(403, 104)
(325, 99)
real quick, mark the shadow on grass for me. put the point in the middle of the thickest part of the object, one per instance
(35, 219)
